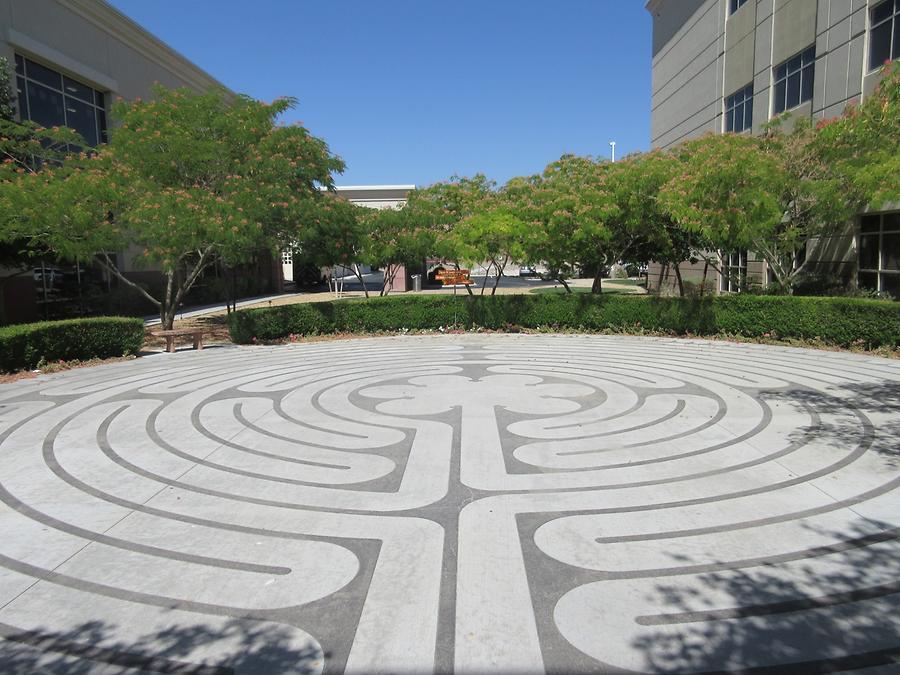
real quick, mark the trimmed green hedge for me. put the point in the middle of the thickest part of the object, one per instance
(839, 321)
(25, 345)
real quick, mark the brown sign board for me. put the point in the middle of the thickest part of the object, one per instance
(453, 277)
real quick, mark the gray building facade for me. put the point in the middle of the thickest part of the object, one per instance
(732, 65)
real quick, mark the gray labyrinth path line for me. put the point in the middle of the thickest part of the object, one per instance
(473, 504)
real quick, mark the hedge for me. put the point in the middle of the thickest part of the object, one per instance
(26, 345)
(838, 321)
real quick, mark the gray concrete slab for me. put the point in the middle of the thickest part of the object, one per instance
(481, 503)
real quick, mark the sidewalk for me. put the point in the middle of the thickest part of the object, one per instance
(212, 309)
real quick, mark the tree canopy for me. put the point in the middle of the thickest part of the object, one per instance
(186, 179)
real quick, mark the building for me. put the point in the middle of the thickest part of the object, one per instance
(72, 58)
(732, 65)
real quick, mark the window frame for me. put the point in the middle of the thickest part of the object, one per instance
(728, 282)
(880, 271)
(24, 98)
(893, 42)
(783, 72)
(735, 5)
(731, 105)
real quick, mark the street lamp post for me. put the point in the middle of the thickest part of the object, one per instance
(612, 144)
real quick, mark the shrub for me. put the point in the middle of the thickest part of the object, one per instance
(25, 345)
(839, 321)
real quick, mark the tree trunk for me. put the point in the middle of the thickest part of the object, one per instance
(680, 281)
(486, 271)
(565, 285)
(663, 276)
(597, 286)
(703, 281)
(361, 280)
(499, 275)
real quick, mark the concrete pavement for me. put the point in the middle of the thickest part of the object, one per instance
(480, 503)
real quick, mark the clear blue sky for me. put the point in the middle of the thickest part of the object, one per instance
(414, 91)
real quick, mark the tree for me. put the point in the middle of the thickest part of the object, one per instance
(568, 211)
(337, 235)
(863, 145)
(395, 238)
(726, 191)
(187, 179)
(494, 235)
(439, 209)
(813, 196)
(7, 100)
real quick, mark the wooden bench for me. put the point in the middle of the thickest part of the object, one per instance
(170, 336)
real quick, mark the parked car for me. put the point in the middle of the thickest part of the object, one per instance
(527, 271)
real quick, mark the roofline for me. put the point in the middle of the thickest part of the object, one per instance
(652, 5)
(111, 20)
(374, 187)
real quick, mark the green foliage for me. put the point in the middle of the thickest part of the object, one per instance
(864, 143)
(187, 179)
(726, 190)
(7, 100)
(839, 321)
(25, 345)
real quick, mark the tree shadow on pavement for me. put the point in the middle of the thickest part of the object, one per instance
(242, 646)
(828, 609)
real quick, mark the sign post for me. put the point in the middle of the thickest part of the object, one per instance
(454, 278)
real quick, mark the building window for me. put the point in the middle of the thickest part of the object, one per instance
(794, 81)
(735, 5)
(879, 253)
(734, 271)
(739, 110)
(287, 257)
(884, 33)
(51, 99)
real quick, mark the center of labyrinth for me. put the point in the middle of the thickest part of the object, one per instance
(505, 503)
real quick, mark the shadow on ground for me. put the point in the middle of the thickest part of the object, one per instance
(248, 647)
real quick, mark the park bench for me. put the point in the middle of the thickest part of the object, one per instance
(170, 336)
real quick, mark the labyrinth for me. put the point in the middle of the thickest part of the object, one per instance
(476, 504)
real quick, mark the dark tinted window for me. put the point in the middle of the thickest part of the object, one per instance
(884, 43)
(890, 251)
(868, 251)
(42, 74)
(51, 99)
(101, 126)
(870, 224)
(81, 117)
(739, 110)
(735, 5)
(794, 81)
(23, 99)
(20, 65)
(45, 106)
(890, 283)
(78, 90)
(868, 280)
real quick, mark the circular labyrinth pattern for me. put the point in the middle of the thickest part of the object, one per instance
(469, 503)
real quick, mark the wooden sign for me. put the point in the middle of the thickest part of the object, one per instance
(454, 277)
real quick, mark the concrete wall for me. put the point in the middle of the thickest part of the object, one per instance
(701, 55)
(97, 44)
(689, 46)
